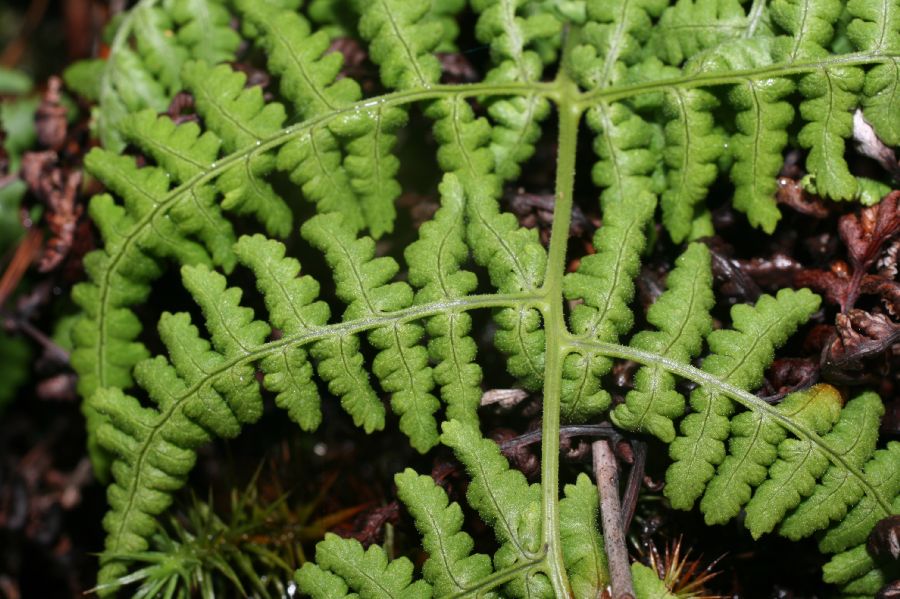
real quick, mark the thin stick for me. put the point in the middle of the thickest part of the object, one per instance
(565, 431)
(606, 472)
(633, 485)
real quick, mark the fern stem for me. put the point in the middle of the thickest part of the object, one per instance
(606, 473)
(554, 321)
(748, 400)
(620, 92)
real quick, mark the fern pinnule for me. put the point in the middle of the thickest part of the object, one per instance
(687, 28)
(451, 566)
(144, 68)
(521, 47)
(293, 309)
(435, 269)
(693, 144)
(604, 283)
(753, 442)
(627, 147)
(516, 262)
(855, 437)
(681, 315)
(582, 542)
(363, 283)
(739, 356)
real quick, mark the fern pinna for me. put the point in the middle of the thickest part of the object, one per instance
(675, 94)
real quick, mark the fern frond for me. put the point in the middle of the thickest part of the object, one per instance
(451, 567)
(362, 282)
(185, 153)
(831, 93)
(753, 443)
(516, 263)
(800, 464)
(435, 262)
(852, 567)
(169, 434)
(682, 316)
(604, 283)
(581, 540)
(675, 94)
(739, 356)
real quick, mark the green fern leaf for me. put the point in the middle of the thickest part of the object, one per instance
(434, 269)
(160, 55)
(290, 302)
(800, 464)
(739, 357)
(604, 282)
(628, 147)
(322, 584)
(649, 76)
(240, 118)
(612, 40)
(204, 28)
(688, 27)
(503, 499)
(516, 263)
(692, 148)
(883, 473)
(875, 27)
(761, 121)
(753, 443)
(166, 438)
(509, 35)
(682, 316)
(401, 41)
(581, 539)
(402, 364)
(369, 571)
(451, 566)
(309, 80)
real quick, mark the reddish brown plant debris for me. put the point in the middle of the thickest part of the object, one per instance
(50, 118)
(790, 192)
(787, 375)
(57, 188)
(181, 108)
(861, 334)
(373, 524)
